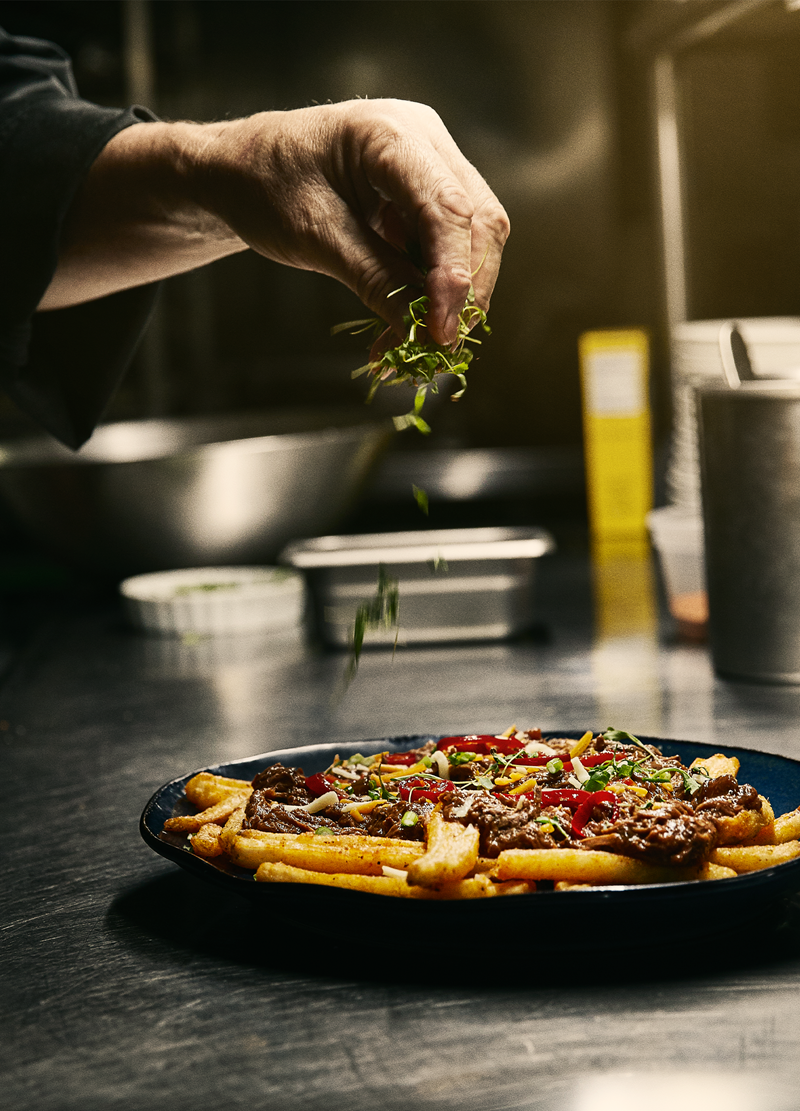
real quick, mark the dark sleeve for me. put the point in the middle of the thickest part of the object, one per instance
(63, 366)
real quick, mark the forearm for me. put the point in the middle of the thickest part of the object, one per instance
(136, 218)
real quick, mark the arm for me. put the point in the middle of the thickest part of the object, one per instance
(339, 189)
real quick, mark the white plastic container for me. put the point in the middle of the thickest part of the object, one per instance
(210, 601)
(677, 536)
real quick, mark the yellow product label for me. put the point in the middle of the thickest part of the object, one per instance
(616, 431)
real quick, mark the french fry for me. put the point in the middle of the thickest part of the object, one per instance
(711, 871)
(708, 871)
(204, 789)
(515, 887)
(219, 813)
(782, 829)
(452, 853)
(347, 853)
(717, 765)
(585, 866)
(752, 858)
(744, 826)
(230, 831)
(479, 887)
(206, 842)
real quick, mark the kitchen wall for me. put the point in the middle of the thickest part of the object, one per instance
(529, 91)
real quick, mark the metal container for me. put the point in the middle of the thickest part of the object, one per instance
(455, 584)
(190, 492)
(750, 468)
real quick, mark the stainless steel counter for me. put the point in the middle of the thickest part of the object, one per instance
(129, 984)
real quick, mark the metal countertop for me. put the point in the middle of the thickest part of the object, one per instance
(129, 984)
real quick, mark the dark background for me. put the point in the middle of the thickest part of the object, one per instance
(550, 100)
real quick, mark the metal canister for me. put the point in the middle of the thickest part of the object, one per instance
(750, 472)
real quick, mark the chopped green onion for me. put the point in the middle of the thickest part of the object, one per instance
(555, 766)
(409, 819)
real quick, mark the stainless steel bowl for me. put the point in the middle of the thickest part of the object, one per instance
(197, 491)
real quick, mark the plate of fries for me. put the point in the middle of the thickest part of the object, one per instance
(431, 864)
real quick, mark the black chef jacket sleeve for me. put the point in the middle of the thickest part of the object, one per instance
(62, 366)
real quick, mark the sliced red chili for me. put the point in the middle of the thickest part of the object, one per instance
(584, 812)
(319, 784)
(405, 759)
(476, 743)
(419, 788)
(484, 743)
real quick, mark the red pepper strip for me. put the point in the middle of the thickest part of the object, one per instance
(484, 743)
(419, 788)
(320, 784)
(404, 758)
(586, 809)
(475, 743)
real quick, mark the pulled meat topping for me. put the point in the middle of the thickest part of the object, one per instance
(500, 826)
(283, 784)
(725, 797)
(670, 834)
(278, 800)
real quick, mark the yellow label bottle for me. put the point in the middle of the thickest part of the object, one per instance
(616, 432)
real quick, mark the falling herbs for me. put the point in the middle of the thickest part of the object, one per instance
(418, 362)
(380, 613)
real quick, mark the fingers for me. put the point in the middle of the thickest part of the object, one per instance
(457, 221)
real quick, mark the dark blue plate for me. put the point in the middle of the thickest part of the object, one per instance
(656, 912)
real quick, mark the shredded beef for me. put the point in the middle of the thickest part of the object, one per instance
(283, 784)
(670, 834)
(263, 814)
(723, 796)
(500, 826)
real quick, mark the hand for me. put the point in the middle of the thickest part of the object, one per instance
(356, 191)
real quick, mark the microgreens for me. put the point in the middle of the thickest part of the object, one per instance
(619, 736)
(554, 822)
(380, 612)
(455, 758)
(420, 497)
(416, 360)
(419, 362)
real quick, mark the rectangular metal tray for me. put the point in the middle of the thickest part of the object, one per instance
(455, 584)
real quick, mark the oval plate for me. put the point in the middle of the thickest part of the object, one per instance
(637, 913)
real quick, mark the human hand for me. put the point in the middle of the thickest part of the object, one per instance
(360, 191)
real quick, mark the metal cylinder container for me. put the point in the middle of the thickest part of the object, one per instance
(750, 472)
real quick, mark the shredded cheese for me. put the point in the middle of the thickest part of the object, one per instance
(520, 788)
(579, 770)
(582, 744)
(330, 798)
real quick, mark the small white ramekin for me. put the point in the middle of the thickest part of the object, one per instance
(212, 601)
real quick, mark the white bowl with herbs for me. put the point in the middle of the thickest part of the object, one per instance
(213, 601)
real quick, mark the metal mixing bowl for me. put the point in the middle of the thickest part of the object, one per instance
(190, 492)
